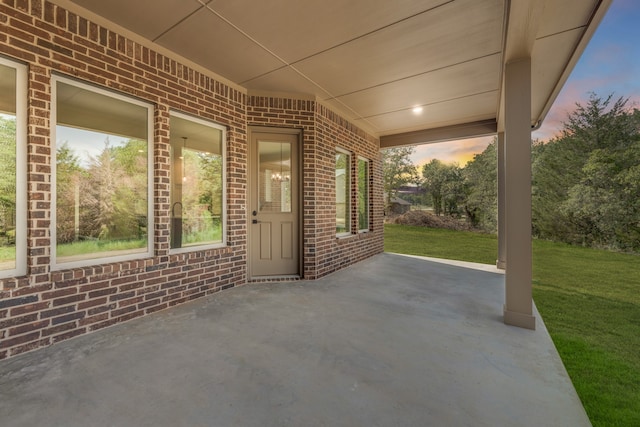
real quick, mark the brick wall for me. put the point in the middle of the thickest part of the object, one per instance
(45, 306)
(323, 131)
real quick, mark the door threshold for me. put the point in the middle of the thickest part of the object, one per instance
(266, 279)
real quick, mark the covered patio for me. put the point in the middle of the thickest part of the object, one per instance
(392, 340)
(410, 73)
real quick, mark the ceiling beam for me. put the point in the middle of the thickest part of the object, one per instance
(446, 133)
(521, 29)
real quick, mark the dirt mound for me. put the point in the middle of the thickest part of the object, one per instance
(427, 219)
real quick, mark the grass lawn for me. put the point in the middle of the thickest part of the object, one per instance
(98, 246)
(589, 300)
(7, 253)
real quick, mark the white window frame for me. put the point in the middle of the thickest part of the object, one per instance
(21, 170)
(55, 265)
(348, 203)
(223, 150)
(367, 166)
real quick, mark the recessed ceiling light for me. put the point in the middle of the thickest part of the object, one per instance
(417, 110)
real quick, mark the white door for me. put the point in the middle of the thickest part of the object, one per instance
(273, 206)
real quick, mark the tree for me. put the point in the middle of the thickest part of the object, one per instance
(556, 167)
(397, 169)
(585, 181)
(104, 173)
(445, 185)
(481, 178)
(68, 172)
(130, 197)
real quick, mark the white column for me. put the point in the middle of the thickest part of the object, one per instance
(501, 263)
(518, 308)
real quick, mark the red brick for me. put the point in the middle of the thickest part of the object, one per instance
(28, 327)
(21, 339)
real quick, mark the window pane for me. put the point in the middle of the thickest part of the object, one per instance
(197, 184)
(275, 176)
(8, 170)
(101, 177)
(342, 193)
(363, 194)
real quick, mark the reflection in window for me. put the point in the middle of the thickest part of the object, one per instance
(12, 153)
(7, 191)
(197, 182)
(275, 176)
(101, 176)
(363, 194)
(343, 160)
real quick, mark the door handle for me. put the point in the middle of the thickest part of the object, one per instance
(254, 221)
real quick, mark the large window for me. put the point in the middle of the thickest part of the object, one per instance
(197, 183)
(363, 194)
(343, 184)
(13, 202)
(102, 176)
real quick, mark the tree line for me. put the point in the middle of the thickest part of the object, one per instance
(585, 181)
(104, 198)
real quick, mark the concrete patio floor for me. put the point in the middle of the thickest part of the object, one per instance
(391, 341)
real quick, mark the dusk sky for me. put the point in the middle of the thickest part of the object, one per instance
(609, 64)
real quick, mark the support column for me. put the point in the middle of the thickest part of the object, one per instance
(518, 308)
(501, 263)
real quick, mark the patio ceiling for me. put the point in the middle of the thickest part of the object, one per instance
(374, 60)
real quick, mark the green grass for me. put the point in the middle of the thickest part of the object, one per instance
(440, 243)
(589, 300)
(98, 246)
(7, 253)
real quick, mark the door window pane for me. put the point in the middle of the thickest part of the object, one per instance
(363, 194)
(197, 183)
(343, 161)
(102, 176)
(274, 182)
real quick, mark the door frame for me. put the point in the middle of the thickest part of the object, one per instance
(298, 133)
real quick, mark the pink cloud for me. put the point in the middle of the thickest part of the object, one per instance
(460, 151)
(577, 91)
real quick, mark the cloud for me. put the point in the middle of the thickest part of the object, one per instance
(460, 151)
(577, 91)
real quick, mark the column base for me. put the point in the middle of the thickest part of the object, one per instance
(501, 265)
(521, 320)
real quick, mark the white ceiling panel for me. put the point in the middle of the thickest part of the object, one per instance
(450, 34)
(564, 15)
(212, 43)
(547, 66)
(286, 80)
(447, 113)
(469, 78)
(316, 25)
(372, 60)
(148, 18)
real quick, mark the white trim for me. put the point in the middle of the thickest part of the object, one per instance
(368, 166)
(343, 151)
(100, 259)
(21, 169)
(223, 150)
